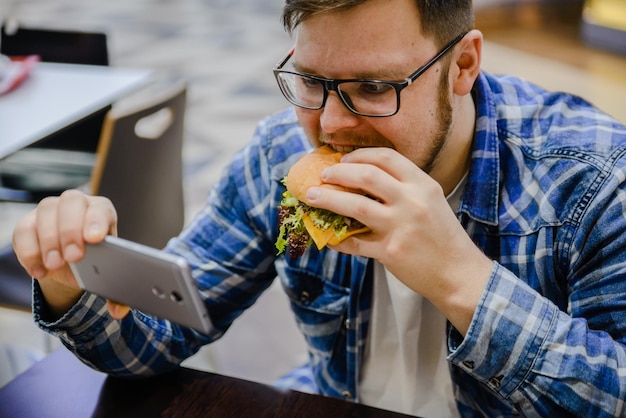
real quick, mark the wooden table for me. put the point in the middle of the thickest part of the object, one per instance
(61, 386)
(57, 95)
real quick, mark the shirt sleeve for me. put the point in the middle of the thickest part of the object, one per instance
(230, 249)
(551, 357)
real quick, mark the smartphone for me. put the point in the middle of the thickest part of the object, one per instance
(144, 278)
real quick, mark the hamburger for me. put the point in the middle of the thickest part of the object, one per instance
(302, 225)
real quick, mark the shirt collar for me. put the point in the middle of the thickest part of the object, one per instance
(480, 200)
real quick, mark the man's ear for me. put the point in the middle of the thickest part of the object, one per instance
(467, 61)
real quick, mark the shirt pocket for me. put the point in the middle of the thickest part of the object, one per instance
(320, 307)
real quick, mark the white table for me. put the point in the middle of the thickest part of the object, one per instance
(57, 95)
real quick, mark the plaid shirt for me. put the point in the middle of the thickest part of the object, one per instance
(545, 199)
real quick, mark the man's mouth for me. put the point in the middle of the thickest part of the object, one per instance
(342, 148)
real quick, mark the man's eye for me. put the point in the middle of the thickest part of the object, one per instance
(310, 82)
(374, 88)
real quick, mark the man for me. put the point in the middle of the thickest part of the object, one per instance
(493, 281)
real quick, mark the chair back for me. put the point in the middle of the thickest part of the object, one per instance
(15, 283)
(63, 46)
(139, 163)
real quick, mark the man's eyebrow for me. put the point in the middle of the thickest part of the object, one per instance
(384, 74)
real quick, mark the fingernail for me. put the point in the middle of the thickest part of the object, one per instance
(72, 252)
(54, 260)
(313, 193)
(94, 231)
(38, 272)
(324, 174)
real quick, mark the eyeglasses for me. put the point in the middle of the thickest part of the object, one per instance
(375, 98)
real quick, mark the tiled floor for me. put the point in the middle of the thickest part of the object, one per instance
(226, 49)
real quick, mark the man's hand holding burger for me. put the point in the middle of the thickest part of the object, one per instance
(302, 225)
(414, 232)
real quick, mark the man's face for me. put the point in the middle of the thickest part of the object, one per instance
(378, 40)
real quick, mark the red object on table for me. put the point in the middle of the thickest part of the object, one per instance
(14, 71)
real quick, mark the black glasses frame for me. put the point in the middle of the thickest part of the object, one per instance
(333, 84)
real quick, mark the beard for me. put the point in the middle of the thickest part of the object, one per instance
(444, 121)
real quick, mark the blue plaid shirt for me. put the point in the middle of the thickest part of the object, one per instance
(545, 199)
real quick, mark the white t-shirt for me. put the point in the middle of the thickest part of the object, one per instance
(405, 367)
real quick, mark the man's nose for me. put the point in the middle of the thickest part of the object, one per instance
(335, 115)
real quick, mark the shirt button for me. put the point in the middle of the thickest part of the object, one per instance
(469, 364)
(495, 381)
(347, 323)
(346, 394)
(304, 296)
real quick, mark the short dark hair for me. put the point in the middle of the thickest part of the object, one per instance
(442, 20)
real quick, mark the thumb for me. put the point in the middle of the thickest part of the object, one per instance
(116, 310)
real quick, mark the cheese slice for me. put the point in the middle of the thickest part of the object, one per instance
(320, 236)
(334, 240)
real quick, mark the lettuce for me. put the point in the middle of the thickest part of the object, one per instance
(293, 236)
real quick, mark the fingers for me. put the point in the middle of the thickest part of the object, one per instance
(377, 172)
(26, 246)
(366, 178)
(55, 233)
(116, 310)
(362, 208)
(381, 174)
(397, 194)
(100, 220)
(58, 223)
(388, 160)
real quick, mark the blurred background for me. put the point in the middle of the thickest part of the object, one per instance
(226, 50)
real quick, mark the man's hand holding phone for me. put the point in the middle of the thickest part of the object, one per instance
(55, 234)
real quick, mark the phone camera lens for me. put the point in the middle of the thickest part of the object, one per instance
(158, 292)
(176, 297)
